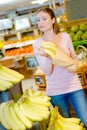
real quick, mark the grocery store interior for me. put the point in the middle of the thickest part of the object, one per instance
(16, 39)
(18, 32)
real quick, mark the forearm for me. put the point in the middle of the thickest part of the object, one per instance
(45, 64)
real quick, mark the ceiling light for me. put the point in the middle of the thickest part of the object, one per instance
(5, 1)
(38, 1)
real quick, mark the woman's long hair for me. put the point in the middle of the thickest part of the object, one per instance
(52, 15)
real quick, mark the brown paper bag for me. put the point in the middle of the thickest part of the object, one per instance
(62, 59)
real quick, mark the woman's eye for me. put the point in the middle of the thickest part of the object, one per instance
(38, 20)
(44, 18)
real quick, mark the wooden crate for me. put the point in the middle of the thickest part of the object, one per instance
(81, 77)
(16, 91)
(7, 62)
(85, 76)
(40, 79)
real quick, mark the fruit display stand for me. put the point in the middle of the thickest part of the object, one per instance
(78, 31)
(7, 62)
(76, 22)
(11, 83)
(16, 55)
(10, 86)
(17, 63)
(33, 107)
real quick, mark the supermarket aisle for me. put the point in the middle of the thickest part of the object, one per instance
(28, 84)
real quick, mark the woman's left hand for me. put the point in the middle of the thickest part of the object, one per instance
(73, 68)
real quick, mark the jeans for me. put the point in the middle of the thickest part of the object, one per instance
(78, 101)
(4, 97)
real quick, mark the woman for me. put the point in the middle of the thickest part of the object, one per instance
(62, 86)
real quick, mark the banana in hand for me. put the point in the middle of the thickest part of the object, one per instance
(49, 48)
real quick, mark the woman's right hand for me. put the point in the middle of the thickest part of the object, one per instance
(42, 52)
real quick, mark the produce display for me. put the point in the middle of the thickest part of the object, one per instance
(60, 58)
(35, 107)
(77, 43)
(78, 32)
(1, 44)
(8, 78)
(30, 108)
(23, 39)
(58, 122)
(18, 51)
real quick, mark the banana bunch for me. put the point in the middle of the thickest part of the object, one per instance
(8, 78)
(4, 85)
(37, 97)
(49, 48)
(12, 118)
(60, 58)
(58, 122)
(22, 114)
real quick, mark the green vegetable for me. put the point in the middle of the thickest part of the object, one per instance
(74, 28)
(83, 27)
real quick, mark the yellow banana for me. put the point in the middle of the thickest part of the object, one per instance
(28, 123)
(38, 106)
(38, 93)
(32, 115)
(38, 109)
(49, 52)
(8, 77)
(12, 72)
(8, 118)
(64, 126)
(53, 118)
(53, 45)
(40, 101)
(33, 93)
(68, 120)
(2, 118)
(49, 47)
(15, 118)
(42, 98)
(4, 85)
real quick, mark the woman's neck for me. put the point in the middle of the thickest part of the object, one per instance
(49, 36)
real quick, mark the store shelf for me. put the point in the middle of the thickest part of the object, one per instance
(9, 46)
(69, 24)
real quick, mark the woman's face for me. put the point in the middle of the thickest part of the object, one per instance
(44, 21)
